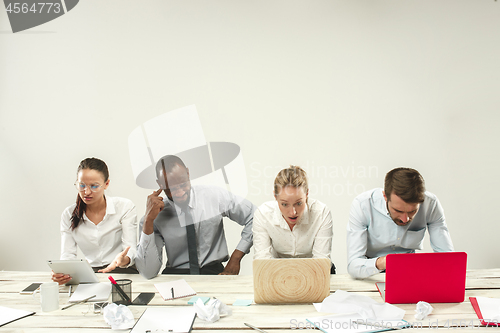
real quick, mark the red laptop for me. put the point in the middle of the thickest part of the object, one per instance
(437, 277)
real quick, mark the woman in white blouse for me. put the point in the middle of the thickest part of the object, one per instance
(293, 225)
(104, 228)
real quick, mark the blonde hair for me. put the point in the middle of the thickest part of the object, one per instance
(292, 176)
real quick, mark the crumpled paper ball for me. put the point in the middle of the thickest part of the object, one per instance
(118, 316)
(212, 311)
(423, 310)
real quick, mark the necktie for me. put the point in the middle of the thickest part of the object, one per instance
(194, 267)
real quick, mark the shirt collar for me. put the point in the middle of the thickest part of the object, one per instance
(110, 209)
(110, 206)
(379, 202)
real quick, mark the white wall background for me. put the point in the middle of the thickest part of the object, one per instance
(346, 89)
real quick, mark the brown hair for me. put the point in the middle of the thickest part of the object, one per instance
(93, 164)
(406, 183)
(293, 176)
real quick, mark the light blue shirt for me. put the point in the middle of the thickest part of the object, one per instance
(371, 232)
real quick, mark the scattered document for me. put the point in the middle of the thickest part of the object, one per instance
(487, 309)
(101, 290)
(174, 289)
(173, 319)
(8, 315)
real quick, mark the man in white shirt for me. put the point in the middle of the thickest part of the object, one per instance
(188, 223)
(393, 220)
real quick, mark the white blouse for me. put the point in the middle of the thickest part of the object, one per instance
(311, 237)
(101, 243)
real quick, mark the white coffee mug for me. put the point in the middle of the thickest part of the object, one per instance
(49, 296)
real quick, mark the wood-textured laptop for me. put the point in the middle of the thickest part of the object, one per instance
(291, 280)
(431, 277)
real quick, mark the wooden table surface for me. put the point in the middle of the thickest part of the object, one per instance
(273, 318)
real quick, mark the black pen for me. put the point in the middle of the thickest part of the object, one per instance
(172, 290)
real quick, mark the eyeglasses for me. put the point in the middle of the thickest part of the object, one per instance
(82, 186)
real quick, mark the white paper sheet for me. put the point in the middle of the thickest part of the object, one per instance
(177, 319)
(8, 315)
(490, 308)
(101, 290)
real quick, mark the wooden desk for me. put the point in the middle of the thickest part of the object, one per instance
(274, 318)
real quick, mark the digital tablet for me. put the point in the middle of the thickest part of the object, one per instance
(79, 270)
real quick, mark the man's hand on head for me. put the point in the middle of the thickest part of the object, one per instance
(154, 206)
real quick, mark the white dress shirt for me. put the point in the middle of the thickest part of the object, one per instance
(207, 206)
(371, 232)
(101, 243)
(311, 237)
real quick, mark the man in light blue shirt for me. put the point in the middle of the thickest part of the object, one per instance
(393, 220)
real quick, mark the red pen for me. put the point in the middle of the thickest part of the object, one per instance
(120, 290)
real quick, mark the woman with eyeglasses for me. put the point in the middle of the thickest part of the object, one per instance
(103, 227)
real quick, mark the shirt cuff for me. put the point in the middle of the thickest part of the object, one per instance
(132, 261)
(146, 239)
(244, 246)
(371, 266)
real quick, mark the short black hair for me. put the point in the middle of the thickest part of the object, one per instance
(170, 162)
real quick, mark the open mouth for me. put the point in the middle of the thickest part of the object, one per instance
(293, 219)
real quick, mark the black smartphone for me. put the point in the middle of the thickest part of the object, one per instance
(143, 299)
(30, 289)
